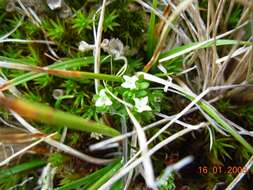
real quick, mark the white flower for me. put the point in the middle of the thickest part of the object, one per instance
(129, 82)
(84, 46)
(141, 104)
(103, 99)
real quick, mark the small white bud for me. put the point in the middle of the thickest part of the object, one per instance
(10, 6)
(84, 46)
(54, 4)
(57, 93)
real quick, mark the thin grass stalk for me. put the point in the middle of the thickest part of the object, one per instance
(26, 41)
(13, 30)
(130, 175)
(106, 177)
(219, 78)
(247, 3)
(239, 177)
(151, 31)
(97, 45)
(171, 168)
(147, 164)
(66, 64)
(107, 142)
(62, 73)
(22, 151)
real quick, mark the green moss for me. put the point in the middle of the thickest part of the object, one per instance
(131, 33)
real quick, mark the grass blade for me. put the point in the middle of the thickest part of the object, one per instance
(105, 177)
(87, 181)
(178, 51)
(61, 73)
(63, 64)
(20, 168)
(46, 114)
(151, 31)
(142, 140)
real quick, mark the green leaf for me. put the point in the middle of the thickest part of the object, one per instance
(142, 85)
(20, 168)
(56, 159)
(141, 93)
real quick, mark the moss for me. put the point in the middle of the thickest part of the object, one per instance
(131, 33)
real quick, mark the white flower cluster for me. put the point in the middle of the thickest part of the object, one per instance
(141, 104)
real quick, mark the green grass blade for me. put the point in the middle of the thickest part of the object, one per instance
(151, 32)
(46, 114)
(80, 75)
(65, 64)
(87, 181)
(221, 42)
(20, 168)
(211, 112)
(117, 185)
(214, 115)
(105, 177)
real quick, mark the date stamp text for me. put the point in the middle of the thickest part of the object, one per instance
(221, 169)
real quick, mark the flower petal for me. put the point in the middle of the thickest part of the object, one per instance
(126, 78)
(108, 102)
(99, 102)
(125, 85)
(146, 108)
(141, 104)
(134, 78)
(129, 82)
(102, 92)
(136, 101)
(144, 100)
